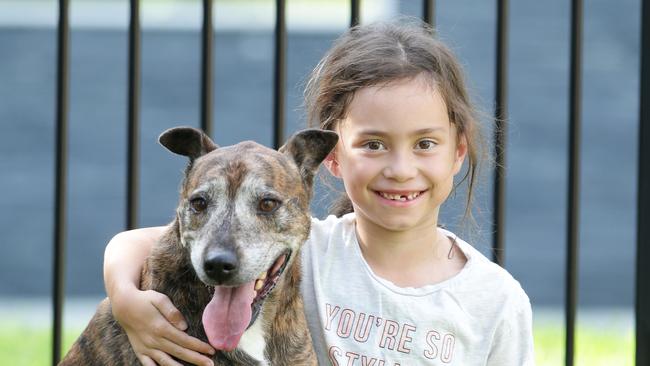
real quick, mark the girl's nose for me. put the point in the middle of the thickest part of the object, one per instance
(401, 167)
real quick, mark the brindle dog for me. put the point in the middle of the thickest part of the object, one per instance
(230, 260)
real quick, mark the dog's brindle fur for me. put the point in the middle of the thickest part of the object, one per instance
(169, 268)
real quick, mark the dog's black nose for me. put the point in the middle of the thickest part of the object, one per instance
(220, 266)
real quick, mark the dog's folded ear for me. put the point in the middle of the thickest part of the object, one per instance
(308, 148)
(187, 141)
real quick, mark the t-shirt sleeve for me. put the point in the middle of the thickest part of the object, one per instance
(513, 339)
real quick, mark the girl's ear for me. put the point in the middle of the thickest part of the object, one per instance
(461, 152)
(332, 164)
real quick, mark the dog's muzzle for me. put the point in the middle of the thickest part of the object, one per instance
(232, 310)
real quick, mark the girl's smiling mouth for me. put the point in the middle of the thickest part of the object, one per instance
(400, 196)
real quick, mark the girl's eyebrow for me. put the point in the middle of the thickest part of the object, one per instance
(423, 131)
(426, 131)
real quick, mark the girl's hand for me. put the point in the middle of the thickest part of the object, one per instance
(156, 329)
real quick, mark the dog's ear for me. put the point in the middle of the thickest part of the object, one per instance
(187, 141)
(308, 148)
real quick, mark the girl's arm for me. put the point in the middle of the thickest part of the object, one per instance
(154, 326)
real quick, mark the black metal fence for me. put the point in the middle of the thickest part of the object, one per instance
(428, 13)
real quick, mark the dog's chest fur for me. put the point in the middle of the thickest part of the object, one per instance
(253, 342)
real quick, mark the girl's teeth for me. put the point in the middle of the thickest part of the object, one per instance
(396, 197)
(262, 276)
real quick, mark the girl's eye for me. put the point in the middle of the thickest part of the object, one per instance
(198, 204)
(268, 205)
(425, 145)
(374, 145)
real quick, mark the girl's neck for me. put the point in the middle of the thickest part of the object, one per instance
(401, 245)
(411, 258)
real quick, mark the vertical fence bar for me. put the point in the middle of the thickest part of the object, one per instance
(429, 12)
(60, 222)
(355, 12)
(500, 131)
(133, 138)
(207, 67)
(279, 75)
(642, 302)
(573, 207)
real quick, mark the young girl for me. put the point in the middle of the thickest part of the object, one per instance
(382, 285)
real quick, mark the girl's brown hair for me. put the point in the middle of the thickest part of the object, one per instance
(383, 52)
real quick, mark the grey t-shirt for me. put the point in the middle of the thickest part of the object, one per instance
(481, 316)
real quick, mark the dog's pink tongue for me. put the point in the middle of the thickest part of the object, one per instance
(228, 314)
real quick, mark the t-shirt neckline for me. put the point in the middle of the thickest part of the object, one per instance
(412, 291)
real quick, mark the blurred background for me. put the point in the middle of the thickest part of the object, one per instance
(243, 110)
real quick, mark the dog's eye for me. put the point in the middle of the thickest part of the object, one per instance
(268, 205)
(198, 204)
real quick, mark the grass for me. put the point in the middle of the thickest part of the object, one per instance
(21, 346)
(594, 346)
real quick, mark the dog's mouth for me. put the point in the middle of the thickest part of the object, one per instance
(232, 310)
(266, 282)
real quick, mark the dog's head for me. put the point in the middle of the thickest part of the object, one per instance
(243, 215)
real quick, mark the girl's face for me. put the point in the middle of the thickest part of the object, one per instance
(397, 155)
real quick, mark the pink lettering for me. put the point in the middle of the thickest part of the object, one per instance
(361, 327)
(330, 313)
(366, 362)
(447, 353)
(432, 352)
(351, 358)
(405, 338)
(391, 329)
(345, 323)
(333, 352)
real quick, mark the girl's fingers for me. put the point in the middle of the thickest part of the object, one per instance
(184, 340)
(185, 354)
(163, 359)
(164, 330)
(168, 310)
(146, 361)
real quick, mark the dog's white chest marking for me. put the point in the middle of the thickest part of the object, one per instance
(253, 342)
